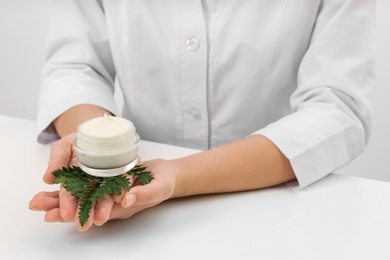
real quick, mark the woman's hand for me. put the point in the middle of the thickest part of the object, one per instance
(62, 155)
(61, 206)
(256, 159)
(141, 197)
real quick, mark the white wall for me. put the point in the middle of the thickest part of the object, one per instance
(22, 28)
(375, 161)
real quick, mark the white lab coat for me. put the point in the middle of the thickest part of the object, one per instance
(204, 73)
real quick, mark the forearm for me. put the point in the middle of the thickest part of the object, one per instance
(252, 163)
(69, 121)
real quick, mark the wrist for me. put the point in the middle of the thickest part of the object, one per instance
(179, 190)
(69, 121)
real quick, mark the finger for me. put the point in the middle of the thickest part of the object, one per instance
(54, 216)
(44, 203)
(133, 181)
(103, 209)
(118, 212)
(151, 193)
(60, 156)
(137, 182)
(68, 205)
(73, 159)
(139, 161)
(118, 198)
(51, 194)
(89, 222)
(36, 201)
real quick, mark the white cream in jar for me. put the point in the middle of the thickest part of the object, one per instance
(107, 146)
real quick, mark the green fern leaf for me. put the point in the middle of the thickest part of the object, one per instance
(89, 189)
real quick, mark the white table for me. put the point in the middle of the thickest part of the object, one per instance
(339, 217)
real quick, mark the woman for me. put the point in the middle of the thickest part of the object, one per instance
(270, 90)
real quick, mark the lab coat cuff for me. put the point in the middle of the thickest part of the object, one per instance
(314, 143)
(305, 172)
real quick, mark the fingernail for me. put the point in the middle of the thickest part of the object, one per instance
(131, 198)
(31, 206)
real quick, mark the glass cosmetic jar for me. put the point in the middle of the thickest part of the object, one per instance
(106, 146)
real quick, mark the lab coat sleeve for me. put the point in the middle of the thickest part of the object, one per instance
(331, 122)
(79, 67)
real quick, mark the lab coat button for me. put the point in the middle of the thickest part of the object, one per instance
(194, 113)
(192, 44)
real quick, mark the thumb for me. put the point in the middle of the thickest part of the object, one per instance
(144, 195)
(61, 155)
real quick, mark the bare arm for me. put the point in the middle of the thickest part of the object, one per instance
(251, 163)
(69, 121)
